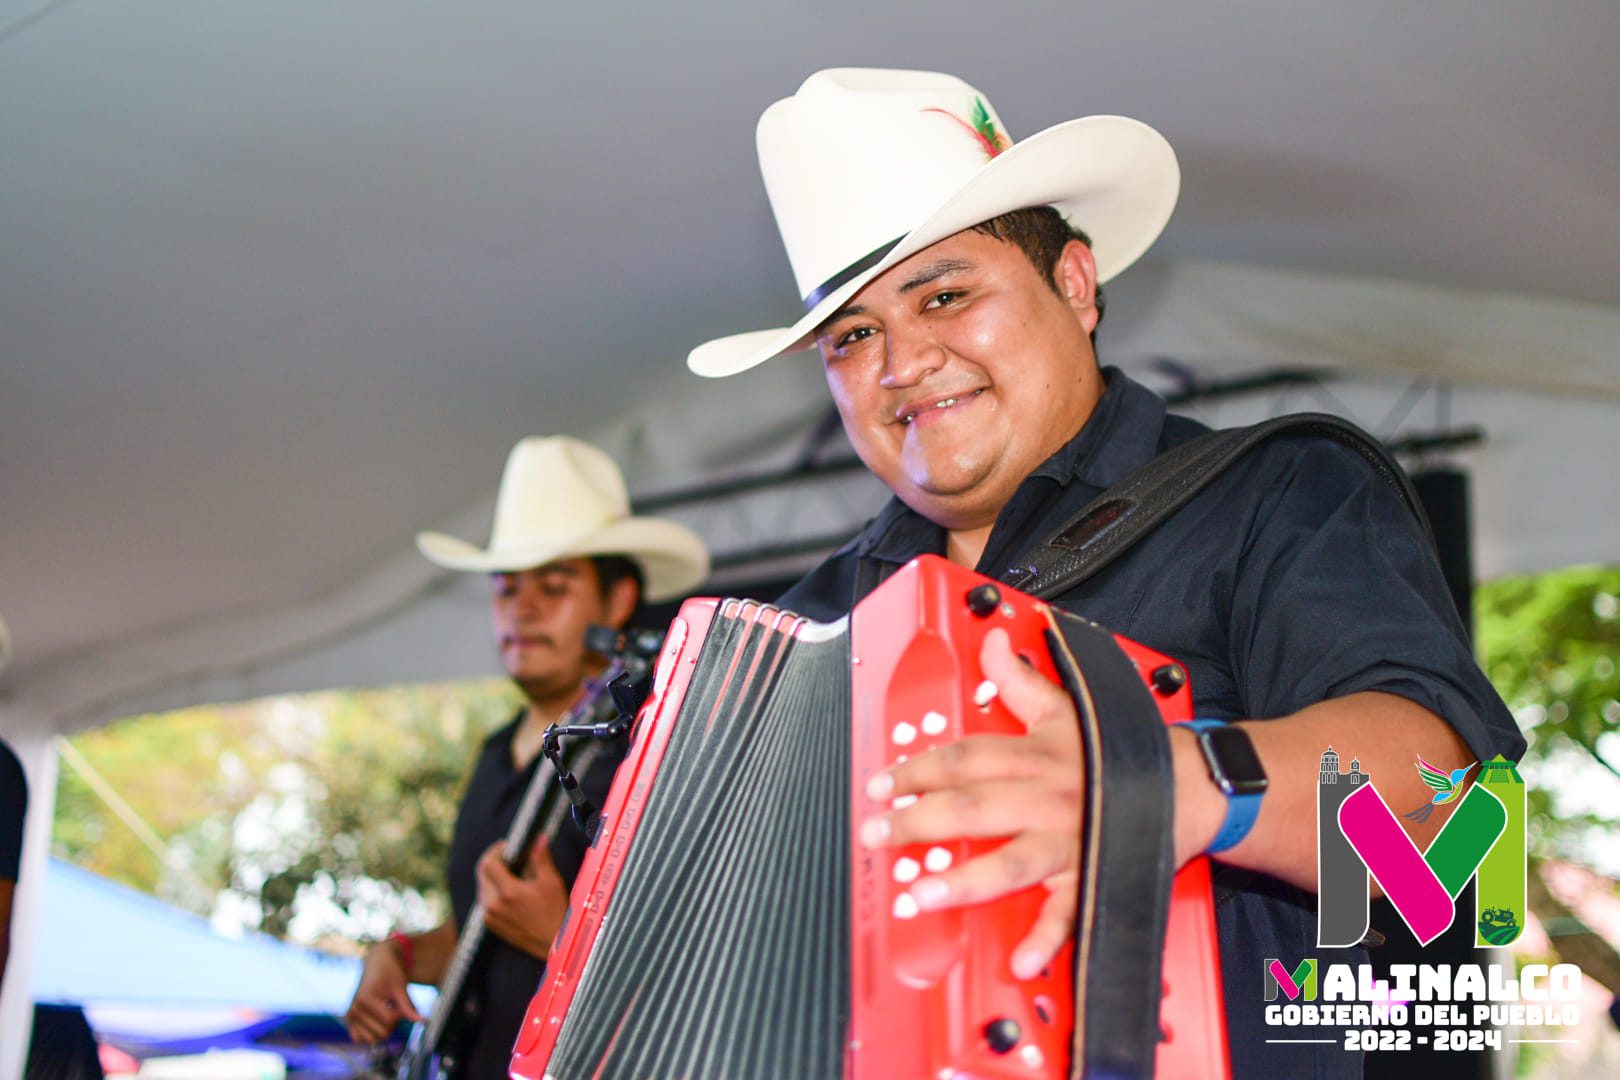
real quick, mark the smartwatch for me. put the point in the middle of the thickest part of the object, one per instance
(1236, 772)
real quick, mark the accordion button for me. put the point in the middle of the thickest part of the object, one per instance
(904, 734)
(906, 870)
(934, 723)
(938, 860)
(1002, 1034)
(905, 906)
(1168, 678)
(1032, 1056)
(984, 600)
(985, 693)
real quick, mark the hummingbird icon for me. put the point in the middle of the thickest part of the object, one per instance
(1446, 787)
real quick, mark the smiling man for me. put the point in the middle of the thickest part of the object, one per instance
(953, 439)
(564, 554)
(954, 298)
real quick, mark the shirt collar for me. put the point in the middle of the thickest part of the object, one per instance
(1122, 433)
(899, 534)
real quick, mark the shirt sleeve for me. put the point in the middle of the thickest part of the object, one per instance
(1338, 590)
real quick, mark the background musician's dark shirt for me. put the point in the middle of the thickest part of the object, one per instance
(1298, 576)
(507, 977)
(13, 807)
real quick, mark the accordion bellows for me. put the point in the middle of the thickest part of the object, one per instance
(735, 895)
(727, 924)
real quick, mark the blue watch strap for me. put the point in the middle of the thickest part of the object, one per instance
(1241, 810)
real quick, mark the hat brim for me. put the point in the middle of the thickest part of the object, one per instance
(1112, 176)
(673, 560)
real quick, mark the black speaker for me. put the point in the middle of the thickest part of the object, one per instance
(1444, 494)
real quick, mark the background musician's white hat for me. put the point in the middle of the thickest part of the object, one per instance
(865, 167)
(561, 498)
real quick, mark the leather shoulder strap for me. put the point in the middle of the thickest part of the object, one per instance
(1108, 525)
(1126, 857)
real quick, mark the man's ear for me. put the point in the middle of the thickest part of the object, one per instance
(1076, 274)
(621, 603)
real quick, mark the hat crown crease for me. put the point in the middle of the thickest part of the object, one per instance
(900, 145)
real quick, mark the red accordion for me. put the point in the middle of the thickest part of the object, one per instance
(727, 921)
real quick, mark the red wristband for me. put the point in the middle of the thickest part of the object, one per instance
(407, 951)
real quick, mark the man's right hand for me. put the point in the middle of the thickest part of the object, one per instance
(381, 1000)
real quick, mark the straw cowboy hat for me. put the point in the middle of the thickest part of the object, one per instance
(923, 156)
(561, 499)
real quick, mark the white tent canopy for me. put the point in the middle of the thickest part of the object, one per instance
(1543, 477)
(282, 282)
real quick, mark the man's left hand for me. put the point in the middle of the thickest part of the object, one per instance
(1024, 787)
(525, 912)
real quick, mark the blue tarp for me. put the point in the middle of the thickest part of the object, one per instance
(102, 943)
(156, 980)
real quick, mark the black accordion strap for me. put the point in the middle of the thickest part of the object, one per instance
(1108, 525)
(1127, 858)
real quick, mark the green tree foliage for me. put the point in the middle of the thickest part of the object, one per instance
(186, 775)
(327, 815)
(1549, 643)
(380, 798)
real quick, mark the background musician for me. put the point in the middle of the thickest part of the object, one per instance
(954, 300)
(564, 554)
(13, 809)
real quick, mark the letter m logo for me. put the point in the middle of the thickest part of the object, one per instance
(1483, 839)
(1300, 981)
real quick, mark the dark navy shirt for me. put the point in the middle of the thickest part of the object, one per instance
(13, 806)
(1299, 575)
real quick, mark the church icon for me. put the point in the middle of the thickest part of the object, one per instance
(1340, 876)
(1330, 773)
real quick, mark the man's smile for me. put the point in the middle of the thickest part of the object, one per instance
(924, 411)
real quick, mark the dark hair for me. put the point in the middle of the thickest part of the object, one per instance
(612, 569)
(1041, 233)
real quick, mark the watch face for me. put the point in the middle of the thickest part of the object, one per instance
(1235, 765)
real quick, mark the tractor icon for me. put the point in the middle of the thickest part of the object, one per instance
(1498, 926)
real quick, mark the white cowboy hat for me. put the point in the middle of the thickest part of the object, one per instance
(918, 156)
(562, 499)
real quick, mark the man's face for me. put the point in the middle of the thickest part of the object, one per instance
(960, 370)
(540, 618)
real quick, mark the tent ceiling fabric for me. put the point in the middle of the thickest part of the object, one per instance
(282, 282)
